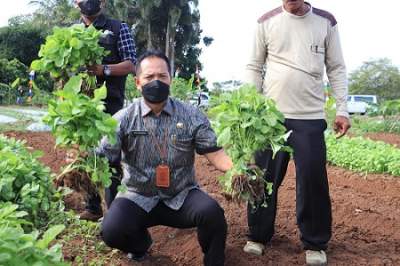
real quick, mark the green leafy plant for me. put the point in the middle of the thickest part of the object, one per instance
(26, 182)
(79, 122)
(389, 108)
(183, 89)
(247, 122)
(363, 155)
(77, 116)
(67, 50)
(131, 91)
(361, 125)
(330, 111)
(18, 248)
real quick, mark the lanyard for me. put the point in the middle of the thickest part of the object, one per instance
(162, 147)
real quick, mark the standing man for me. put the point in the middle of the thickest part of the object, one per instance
(157, 138)
(114, 69)
(20, 94)
(292, 45)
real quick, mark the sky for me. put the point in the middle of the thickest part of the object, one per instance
(368, 30)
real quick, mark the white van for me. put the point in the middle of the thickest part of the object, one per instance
(358, 104)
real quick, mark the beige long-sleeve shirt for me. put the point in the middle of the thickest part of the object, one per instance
(295, 51)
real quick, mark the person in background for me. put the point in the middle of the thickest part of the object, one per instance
(157, 138)
(292, 45)
(30, 95)
(114, 69)
(20, 94)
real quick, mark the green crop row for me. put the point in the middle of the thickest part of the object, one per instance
(363, 155)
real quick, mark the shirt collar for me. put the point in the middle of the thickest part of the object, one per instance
(296, 16)
(168, 109)
(99, 22)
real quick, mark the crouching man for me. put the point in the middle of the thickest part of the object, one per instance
(157, 138)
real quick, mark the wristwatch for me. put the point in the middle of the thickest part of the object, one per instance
(106, 70)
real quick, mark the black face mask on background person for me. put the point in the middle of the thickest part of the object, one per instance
(90, 7)
(155, 91)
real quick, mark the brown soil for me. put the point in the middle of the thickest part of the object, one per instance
(366, 220)
(387, 137)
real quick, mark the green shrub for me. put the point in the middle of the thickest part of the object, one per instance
(183, 89)
(246, 122)
(363, 155)
(26, 182)
(131, 91)
(18, 248)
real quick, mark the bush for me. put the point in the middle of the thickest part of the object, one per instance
(18, 248)
(10, 70)
(366, 125)
(21, 42)
(26, 182)
(183, 89)
(131, 91)
(41, 98)
(7, 94)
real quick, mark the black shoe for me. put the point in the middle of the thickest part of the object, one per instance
(137, 256)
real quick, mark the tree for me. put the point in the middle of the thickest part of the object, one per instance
(21, 41)
(52, 13)
(187, 38)
(182, 22)
(379, 77)
(20, 20)
(11, 70)
(143, 12)
(208, 40)
(172, 26)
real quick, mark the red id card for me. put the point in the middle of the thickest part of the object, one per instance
(162, 176)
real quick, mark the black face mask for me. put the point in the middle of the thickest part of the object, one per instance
(90, 7)
(155, 91)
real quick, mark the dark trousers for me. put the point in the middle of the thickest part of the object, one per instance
(313, 205)
(113, 105)
(125, 226)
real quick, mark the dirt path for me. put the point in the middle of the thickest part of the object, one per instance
(366, 220)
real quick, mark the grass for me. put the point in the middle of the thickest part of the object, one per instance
(361, 125)
(17, 126)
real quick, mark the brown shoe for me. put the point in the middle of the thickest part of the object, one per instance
(90, 216)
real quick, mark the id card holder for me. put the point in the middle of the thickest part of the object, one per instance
(162, 176)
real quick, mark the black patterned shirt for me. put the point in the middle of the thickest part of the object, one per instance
(189, 131)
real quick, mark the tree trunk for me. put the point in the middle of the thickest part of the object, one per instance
(149, 42)
(173, 17)
(167, 39)
(172, 51)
